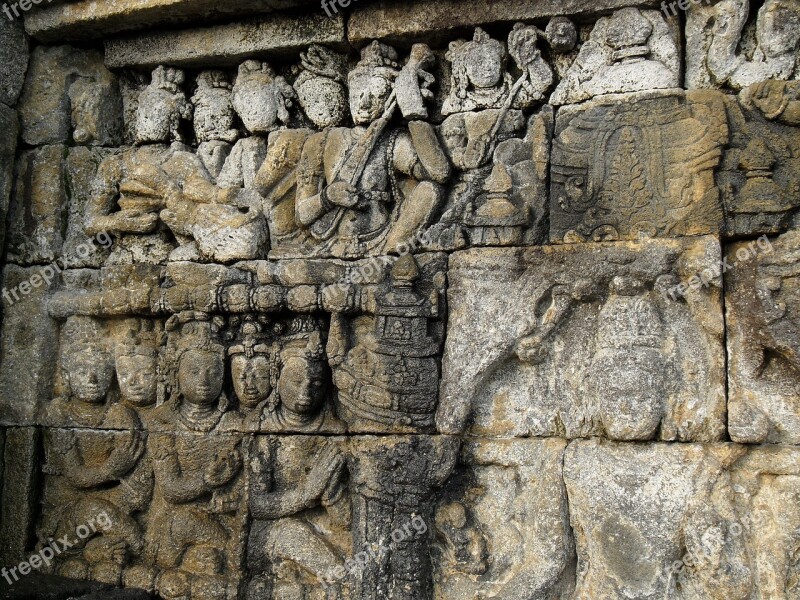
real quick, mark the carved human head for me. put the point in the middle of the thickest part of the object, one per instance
(561, 34)
(321, 86)
(304, 377)
(261, 98)
(479, 62)
(86, 361)
(197, 359)
(252, 365)
(137, 364)
(372, 81)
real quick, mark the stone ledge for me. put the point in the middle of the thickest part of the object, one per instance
(225, 45)
(85, 19)
(402, 21)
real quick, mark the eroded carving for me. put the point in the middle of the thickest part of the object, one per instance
(515, 373)
(631, 51)
(624, 170)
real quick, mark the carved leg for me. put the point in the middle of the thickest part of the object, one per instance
(294, 540)
(417, 213)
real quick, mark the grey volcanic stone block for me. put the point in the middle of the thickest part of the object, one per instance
(224, 44)
(13, 60)
(396, 21)
(585, 340)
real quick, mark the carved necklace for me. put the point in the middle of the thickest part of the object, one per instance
(197, 419)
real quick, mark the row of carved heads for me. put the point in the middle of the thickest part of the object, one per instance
(183, 360)
(323, 86)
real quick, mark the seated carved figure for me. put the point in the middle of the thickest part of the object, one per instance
(350, 194)
(196, 494)
(87, 468)
(777, 43)
(480, 79)
(297, 492)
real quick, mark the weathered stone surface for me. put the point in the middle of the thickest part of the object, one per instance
(586, 340)
(29, 341)
(762, 340)
(9, 123)
(759, 172)
(225, 45)
(393, 21)
(19, 493)
(37, 216)
(502, 523)
(69, 95)
(631, 51)
(79, 249)
(683, 521)
(766, 482)
(632, 166)
(233, 345)
(730, 44)
(85, 19)
(637, 510)
(13, 60)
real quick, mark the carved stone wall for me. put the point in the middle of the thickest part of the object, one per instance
(402, 300)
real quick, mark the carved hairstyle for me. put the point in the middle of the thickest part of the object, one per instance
(460, 52)
(303, 338)
(379, 60)
(189, 330)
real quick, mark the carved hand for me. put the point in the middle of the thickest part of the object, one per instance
(222, 469)
(328, 464)
(125, 456)
(341, 193)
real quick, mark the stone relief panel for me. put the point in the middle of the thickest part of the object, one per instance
(632, 50)
(227, 331)
(734, 44)
(682, 521)
(585, 340)
(762, 342)
(313, 347)
(758, 176)
(502, 523)
(638, 166)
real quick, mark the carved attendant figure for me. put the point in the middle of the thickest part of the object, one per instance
(350, 195)
(196, 496)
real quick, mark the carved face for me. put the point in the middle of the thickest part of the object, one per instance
(302, 385)
(368, 96)
(90, 373)
(484, 67)
(200, 377)
(323, 100)
(251, 379)
(137, 379)
(778, 28)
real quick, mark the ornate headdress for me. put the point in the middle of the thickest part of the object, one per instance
(189, 330)
(142, 337)
(304, 338)
(320, 61)
(377, 59)
(251, 338)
